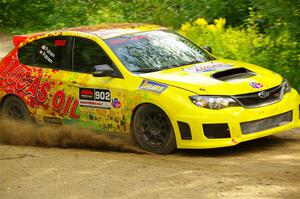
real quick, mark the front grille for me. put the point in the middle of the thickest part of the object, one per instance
(254, 99)
(266, 123)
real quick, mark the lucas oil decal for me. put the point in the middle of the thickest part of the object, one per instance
(28, 84)
(206, 67)
(96, 98)
(152, 86)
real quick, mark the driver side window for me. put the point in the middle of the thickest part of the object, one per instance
(87, 54)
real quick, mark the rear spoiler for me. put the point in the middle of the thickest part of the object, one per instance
(17, 39)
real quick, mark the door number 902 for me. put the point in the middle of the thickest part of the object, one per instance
(102, 95)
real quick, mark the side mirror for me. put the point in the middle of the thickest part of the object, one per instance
(208, 49)
(102, 70)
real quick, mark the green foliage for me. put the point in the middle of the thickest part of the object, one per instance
(280, 21)
(29, 15)
(246, 44)
(228, 43)
(263, 32)
(37, 15)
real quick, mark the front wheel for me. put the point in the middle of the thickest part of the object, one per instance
(153, 130)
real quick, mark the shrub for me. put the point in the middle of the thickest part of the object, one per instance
(247, 44)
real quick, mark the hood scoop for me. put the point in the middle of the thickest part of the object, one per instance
(234, 73)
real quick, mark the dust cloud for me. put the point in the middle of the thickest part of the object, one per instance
(27, 134)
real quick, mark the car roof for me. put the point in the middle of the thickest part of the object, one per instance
(108, 30)
(104, 31)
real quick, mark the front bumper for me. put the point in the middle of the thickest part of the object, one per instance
(284, 114)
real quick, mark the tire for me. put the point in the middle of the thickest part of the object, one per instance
(153, 130)
(14, 108)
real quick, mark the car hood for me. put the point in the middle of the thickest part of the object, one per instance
(218, 77)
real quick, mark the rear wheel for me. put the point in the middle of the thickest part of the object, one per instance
(14, 108)
(153, 130)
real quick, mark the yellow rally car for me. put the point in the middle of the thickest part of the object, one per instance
(145, 80)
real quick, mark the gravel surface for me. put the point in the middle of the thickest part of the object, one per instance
(264, 168)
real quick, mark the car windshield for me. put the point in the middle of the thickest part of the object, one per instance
(156, 50)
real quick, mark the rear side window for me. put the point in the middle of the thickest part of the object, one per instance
(26, 53)
(50, 52)
(88, 54)
(64, 53)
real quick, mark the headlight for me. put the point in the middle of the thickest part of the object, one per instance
(213, 102)
(286, 86)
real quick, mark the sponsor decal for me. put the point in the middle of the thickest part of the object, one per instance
(109, 33)
(206, 67)
(116, 103)
(256, 85)
(202, 89)
(66, 105)
(22, 80)
(95, 98)
(152, 86)
(53, 120)
(46, 53)
(86, 93)
(60, 42)
(116, 41)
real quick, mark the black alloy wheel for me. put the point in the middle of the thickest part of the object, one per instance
(153, 130)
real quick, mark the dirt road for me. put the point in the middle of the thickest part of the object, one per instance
(265, 168)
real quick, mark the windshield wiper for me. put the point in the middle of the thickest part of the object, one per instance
(146, 70)
(194, 62)
(185, 64)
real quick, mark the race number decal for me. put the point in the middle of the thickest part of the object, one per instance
(95, 98)
(102, 95)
